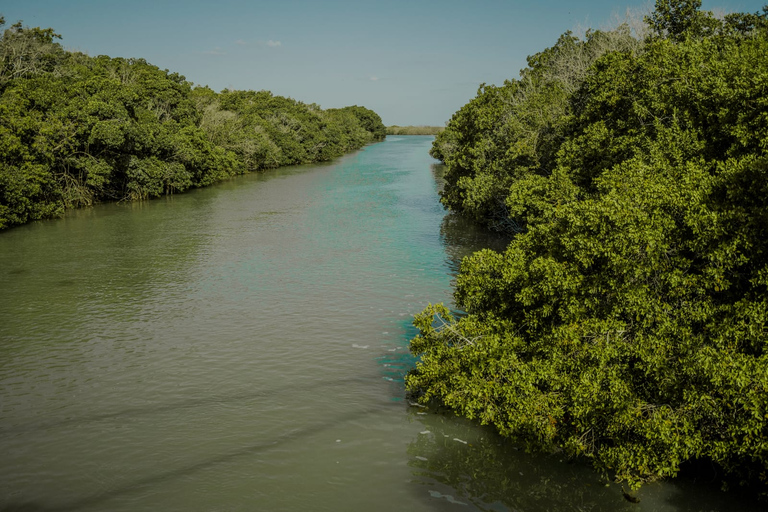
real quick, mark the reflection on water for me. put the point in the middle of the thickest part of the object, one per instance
(475, 464)
(464, 463)
(460, 235)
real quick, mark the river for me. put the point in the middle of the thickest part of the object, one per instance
(243, 346)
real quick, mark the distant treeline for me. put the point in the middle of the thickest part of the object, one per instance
(75, 130)
(627, 321)
(414, 130)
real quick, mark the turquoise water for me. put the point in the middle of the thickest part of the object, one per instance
(242, 347)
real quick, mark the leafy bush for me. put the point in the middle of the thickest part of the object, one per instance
(626, 321)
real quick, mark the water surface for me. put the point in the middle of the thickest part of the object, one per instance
(242, 347)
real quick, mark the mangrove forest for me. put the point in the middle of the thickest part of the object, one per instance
(76, 130)
(626, 323)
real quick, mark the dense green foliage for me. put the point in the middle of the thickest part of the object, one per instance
(627, 321)
(75, 130)
(414, 130)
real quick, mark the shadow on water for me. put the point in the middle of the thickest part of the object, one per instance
(438, 174)
(458, 462)
(462, 236)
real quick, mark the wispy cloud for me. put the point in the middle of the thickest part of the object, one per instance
(274, 44)
(240, 42)
(373, 78)
(215, 51)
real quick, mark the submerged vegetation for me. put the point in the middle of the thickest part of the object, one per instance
(627, 321)
(75, 130)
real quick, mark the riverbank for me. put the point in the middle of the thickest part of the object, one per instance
(414, 130)
(80, 130)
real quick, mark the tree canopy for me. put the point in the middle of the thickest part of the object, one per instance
(75, 130)
(627, 321)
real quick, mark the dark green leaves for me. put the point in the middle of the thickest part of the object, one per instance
(627, 321)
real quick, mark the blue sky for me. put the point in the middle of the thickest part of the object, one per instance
(412, 61)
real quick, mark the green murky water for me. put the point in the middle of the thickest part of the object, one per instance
(242, 347)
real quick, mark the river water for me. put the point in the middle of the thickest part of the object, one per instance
(242, 347)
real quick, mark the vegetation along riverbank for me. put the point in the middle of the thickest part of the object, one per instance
(75, 129)
(414, 130)
(626, 322)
